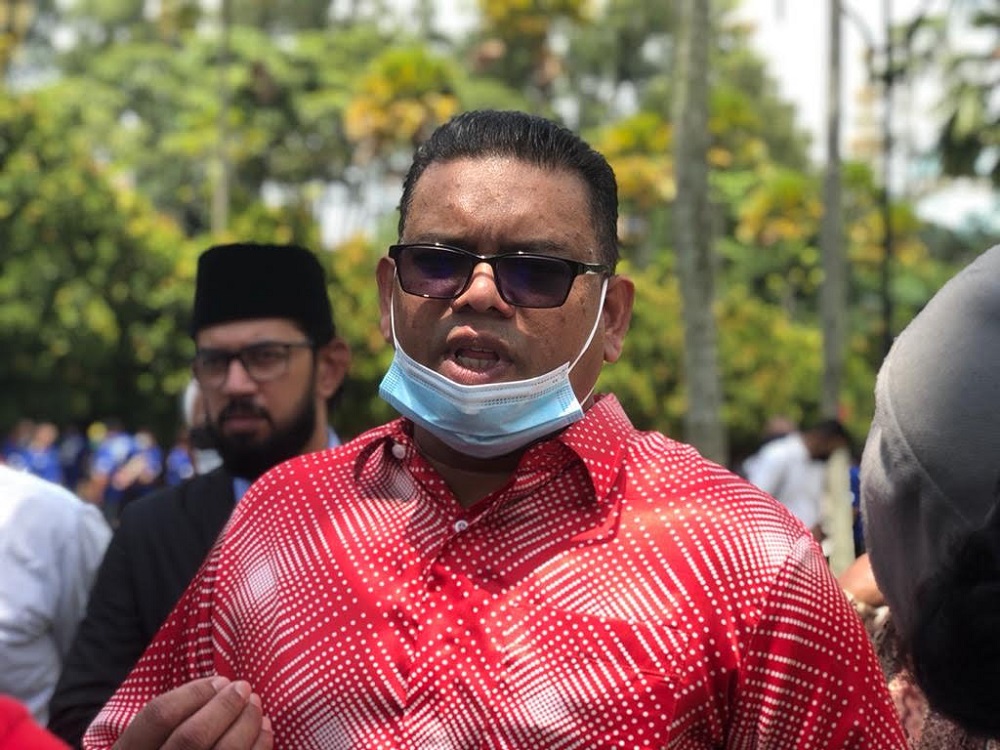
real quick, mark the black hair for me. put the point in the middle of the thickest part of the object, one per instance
(828, 431)
(831, 428)
(532, 139)
(955, 641)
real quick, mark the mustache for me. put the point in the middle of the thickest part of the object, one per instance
(242, 408)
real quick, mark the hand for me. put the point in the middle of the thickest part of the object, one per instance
(859, 581)
(210, 713)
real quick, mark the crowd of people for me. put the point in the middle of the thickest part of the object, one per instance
(510, 563)
(102, 463)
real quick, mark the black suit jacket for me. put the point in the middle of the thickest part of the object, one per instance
(160, 543)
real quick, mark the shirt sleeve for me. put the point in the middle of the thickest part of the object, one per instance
(181, 651)
(107, 644)
(810, 677)
(81, 560)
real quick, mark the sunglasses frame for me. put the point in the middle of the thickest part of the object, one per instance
(576, 268)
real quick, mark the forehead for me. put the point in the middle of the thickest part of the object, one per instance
(496, 200)
(238, 333)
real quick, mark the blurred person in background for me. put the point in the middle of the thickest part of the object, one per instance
(268, 364)
(113, 448)
(178, 465)
(143, 471)
(15, 442)
(41, 455)
(204, 456)
(51, 544)
(792, 468)
(74, 456)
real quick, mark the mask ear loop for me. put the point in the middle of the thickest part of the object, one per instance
(392, 314)
(583, 350)
(590, 338)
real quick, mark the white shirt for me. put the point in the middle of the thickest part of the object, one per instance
(51, 544)
(784, 470)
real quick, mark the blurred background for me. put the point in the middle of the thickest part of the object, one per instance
(797, 179)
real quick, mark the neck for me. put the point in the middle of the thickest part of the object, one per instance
(470, 479)
(320, 438)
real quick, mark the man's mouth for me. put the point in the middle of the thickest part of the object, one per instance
(242, 416)
(478, 360)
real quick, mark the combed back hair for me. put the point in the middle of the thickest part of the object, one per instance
(955, 644)
(534, 140)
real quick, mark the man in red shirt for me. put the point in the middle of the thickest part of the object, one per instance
(510, 564)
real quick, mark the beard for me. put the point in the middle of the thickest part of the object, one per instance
(248, 457)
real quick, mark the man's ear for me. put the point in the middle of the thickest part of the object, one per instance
(617, 315)
(333, 360)
(385, 275)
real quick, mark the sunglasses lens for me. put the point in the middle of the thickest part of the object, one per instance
(534, 282)
(443, 273)
(433, 271)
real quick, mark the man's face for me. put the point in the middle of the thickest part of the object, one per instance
(498, 205)
(257, 425)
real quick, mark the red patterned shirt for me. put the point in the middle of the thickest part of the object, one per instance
(619, 591)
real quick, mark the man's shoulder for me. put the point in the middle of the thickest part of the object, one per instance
(192, 495)
(676, 473)
(21, 489)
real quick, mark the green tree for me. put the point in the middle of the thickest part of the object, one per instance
(92, 281)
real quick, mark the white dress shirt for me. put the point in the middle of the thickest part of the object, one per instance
(51, 544)
(784, 469)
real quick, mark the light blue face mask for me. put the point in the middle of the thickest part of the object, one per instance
(489, 419)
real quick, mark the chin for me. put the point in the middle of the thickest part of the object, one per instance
(244, 438)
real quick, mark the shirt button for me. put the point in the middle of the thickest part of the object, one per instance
(398, 450)
(461, 525)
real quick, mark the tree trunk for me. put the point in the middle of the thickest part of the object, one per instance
(693, 234)
(833, 294)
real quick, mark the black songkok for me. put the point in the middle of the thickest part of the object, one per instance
(245, 281)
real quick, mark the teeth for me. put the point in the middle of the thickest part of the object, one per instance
(473, 363)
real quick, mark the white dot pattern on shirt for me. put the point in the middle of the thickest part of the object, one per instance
(640, 597)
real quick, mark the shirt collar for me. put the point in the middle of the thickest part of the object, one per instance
(599, 440)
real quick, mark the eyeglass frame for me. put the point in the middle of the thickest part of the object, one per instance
(240, 355)
(577, 268)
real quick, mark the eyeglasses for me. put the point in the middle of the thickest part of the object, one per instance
(267, 360)
(524, 280)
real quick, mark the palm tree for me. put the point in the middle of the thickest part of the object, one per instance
(693, 233)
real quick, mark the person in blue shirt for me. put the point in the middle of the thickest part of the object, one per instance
(178, 465)
(112, 452)
(41, 455)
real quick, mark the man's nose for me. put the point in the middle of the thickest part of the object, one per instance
(238, 380)
(482, 292)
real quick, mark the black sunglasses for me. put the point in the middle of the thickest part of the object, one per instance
(524, 280)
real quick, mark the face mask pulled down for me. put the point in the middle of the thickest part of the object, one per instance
(484, 420)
